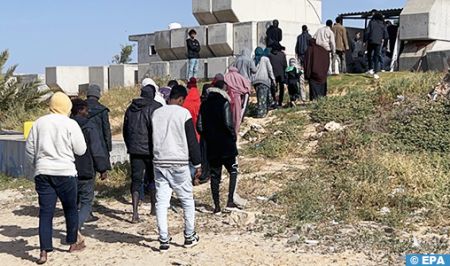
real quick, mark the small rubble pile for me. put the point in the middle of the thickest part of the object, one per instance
(442, 89)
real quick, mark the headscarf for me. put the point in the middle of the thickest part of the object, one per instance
(259, 53)
(192, 83)
(266, 52)
(60, 103)
(292, 64)
(236, 83)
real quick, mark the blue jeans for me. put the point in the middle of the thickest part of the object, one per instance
(85, 199)
(49, 189)
(192, 68)
(174, 178)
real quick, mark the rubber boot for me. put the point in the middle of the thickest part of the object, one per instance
(135, 201)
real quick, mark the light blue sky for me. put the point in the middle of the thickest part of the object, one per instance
(40, 33)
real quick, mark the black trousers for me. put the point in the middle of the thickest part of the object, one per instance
(141, 165)
(373, 56)
(216, 177)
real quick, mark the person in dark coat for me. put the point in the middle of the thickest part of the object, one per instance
(274, 35)
(317, 64)
(279, 64)
(302, 45)
(99, 115)
(392, 33)
(137, 134)
(95, 160)
(215, 125)
(376, 35)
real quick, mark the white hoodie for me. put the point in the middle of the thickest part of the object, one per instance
(52, 143)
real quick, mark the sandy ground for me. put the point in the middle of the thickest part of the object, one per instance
(115, 241)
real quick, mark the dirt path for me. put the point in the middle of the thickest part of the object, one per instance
(231, 239)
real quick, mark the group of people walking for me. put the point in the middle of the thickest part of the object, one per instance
(176, 137)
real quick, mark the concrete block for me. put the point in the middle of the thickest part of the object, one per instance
(425, 56)
(146, 47)
(99, 75)
(290, 10)
(425, 20)
(163, 45)
(218, 65)
(178, 39)
(178, 69)
(155, 69)
(122, 75)
(13, 161)
(67, 78)
(220, 39)
(245, 36)
(202, 11)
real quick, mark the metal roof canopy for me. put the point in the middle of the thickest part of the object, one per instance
(387, 13)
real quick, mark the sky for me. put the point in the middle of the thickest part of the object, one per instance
(89, 32)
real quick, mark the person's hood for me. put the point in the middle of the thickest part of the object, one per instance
(192, 83)
(60, 103)
(259, 51)
(216, 91)
(139, 104)
(246, 53)
(292, 62)
(149, 81)
(83, 122)
(95, 108)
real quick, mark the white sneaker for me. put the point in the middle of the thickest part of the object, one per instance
(375, 76)
(370, 72)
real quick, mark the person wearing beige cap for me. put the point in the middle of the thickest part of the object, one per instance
(52, 144)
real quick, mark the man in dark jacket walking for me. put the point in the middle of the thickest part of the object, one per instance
(279, 65)
(375, 36)
(96, 159)
(274, 35)
(193, 54)
(302, 45)
(215, 124)
(137, 134)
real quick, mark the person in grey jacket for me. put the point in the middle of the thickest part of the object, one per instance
(262, 80)
(245, 64)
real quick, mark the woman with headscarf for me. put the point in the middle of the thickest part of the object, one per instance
(238, 88)
(262, 81)
(316, 70)
(245, 65)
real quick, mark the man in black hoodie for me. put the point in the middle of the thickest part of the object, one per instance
(376, 35)
(193, 54)
(274, 35)
(215, 125)
(137, 134)
(96, 159)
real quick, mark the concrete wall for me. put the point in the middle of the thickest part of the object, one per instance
(178, 69)
(99, 75)
(425, 55)
(155, 69)
(145, 43)
(67, 78)
(13, 162)
(218, 65)
(245, 36)
(122, 75)
(221, 39)
(261, 10)
(202, 11)
(425, 20)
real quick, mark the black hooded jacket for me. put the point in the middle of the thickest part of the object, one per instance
(96, 158)
(99, 115)
(137, 125)
(279, 64)
(215, 125)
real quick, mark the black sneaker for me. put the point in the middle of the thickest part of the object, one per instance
(217, 211)
(164, 245)
(91, 219)
(191, 241)
(231, 206)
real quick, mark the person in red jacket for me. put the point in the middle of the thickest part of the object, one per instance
(192, 102)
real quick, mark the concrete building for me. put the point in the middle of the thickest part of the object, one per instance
(425, 29)
(226, 27)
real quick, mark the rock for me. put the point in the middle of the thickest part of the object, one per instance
(416, 243)
(242, 218)
(258, 128)
(278, 132)
(333, 126)
(385, 211)
(389, 230)
(293, 239)
(311, 242)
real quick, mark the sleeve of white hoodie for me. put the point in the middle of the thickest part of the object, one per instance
(30, 147)
(77, 138)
